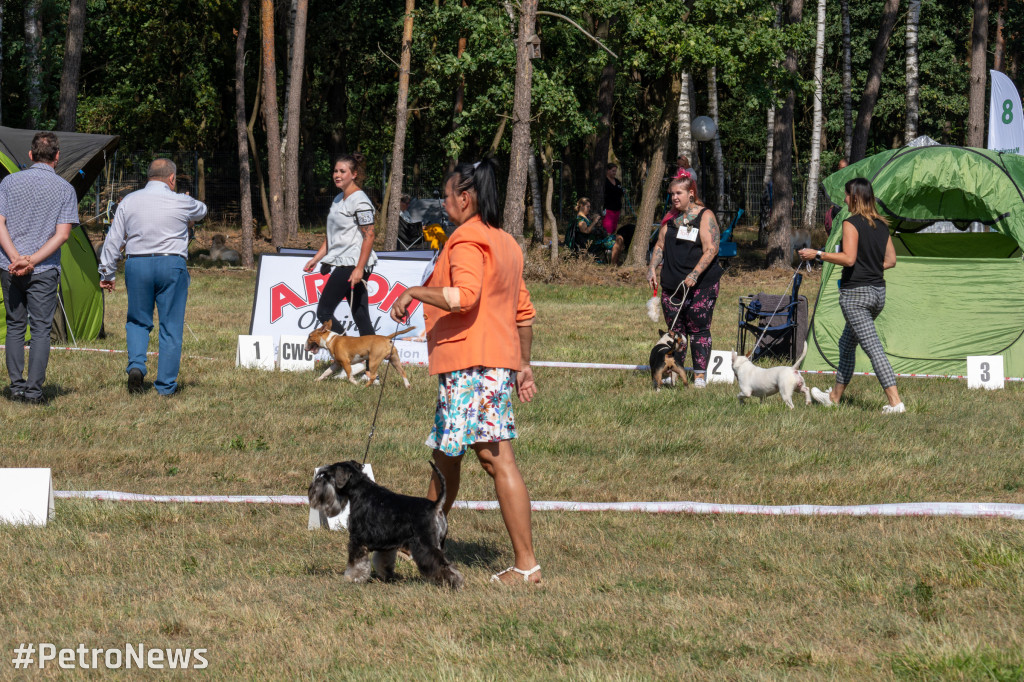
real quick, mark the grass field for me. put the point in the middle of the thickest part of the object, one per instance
(627, 596)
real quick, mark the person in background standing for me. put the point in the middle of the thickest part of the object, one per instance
(612, 199)
(152, 225)
(37, 210)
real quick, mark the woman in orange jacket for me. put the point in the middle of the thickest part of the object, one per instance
(479, 331)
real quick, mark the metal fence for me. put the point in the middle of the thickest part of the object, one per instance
(214, 176)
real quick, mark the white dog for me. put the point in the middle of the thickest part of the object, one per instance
(760, 382)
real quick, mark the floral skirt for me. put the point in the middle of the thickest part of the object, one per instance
(473, 406)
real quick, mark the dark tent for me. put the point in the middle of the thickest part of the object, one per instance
(82, 156)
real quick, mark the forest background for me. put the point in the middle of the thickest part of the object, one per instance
(554, 91)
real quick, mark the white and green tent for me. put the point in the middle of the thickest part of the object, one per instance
(950, 295)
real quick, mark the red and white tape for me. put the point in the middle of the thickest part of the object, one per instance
(961, 509)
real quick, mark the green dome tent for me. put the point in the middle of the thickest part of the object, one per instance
(950, 295)
(82, 157)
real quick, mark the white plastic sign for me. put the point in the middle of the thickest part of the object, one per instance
(720, 367)
(255, 352)
(985, 371)
(293, 354)
(26, 496)
(317, 519)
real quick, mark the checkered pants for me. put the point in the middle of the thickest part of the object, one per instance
(860, 307)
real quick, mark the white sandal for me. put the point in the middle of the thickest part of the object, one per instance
(496, 578)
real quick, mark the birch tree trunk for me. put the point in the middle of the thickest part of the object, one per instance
(684, 133)
(847, 84)
(913, 102)
(244, 185)
(979, 76)
(391, 216)
(769, 148)
(68, 107)
(278, 228)
(515, 194)
(547, 157)
(33, 39)
(778, 253)
(538, 218)
(717, 142)
(294, 119)
(814, 170)
(874, 81)
(651, 194)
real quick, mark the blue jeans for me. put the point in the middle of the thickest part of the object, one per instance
(163, 281)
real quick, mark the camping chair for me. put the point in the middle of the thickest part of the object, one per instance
(727, 247)
(779, 322)
(410, 235)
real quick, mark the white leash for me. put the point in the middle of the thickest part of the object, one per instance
(671, 299)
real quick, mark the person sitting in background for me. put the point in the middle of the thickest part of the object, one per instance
(581, 230)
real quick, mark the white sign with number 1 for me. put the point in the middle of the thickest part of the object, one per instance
(985, 371)
(720, 367)
(256, 352)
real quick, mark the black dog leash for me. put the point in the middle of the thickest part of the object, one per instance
(383, 383)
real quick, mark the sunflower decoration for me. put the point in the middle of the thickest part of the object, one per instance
(435, 236)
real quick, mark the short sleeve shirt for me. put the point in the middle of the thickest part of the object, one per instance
(344, 220)
(34, 201)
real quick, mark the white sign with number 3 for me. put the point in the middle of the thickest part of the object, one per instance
(720, 367)
(256, 352)
(985, 371)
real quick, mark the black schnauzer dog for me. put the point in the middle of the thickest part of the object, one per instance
(383, 522)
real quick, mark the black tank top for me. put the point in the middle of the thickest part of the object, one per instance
(683, 250)
(871, 242)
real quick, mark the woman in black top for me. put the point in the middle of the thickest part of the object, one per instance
(867, 253)
(688, 247)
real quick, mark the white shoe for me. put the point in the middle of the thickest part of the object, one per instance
(700, 383)
(821, 397)
(899, 408)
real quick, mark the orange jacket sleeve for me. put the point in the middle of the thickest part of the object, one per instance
(524, 310)
(467, 272)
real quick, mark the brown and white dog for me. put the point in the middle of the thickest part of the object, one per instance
(372, 348)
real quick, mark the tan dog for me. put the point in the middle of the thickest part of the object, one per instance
(346, 349)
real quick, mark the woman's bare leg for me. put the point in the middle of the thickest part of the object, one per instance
(499, 462)
(451, 468)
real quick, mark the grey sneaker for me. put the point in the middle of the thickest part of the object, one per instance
(822, 397)
(899, 408)
(700, 383)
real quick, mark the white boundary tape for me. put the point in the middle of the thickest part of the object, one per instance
(960, 509)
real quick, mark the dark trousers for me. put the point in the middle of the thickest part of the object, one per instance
(337, 289)
(694, 321)
(32, 296)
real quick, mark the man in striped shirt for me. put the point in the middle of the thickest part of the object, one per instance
(37, 211)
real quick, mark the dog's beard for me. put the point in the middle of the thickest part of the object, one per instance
(324, 496)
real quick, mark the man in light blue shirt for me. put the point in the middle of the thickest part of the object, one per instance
(37, 211)
(152, 225)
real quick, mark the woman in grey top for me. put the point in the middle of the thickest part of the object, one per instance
(347, 252)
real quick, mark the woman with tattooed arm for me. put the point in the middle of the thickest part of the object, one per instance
(687, 250)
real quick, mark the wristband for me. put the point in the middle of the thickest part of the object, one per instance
(819, 253)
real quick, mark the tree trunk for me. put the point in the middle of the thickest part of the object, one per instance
(401, 122)
(533, 175)
(874, 81)
(244, 185)
(684, 134)
(814, 170)
(460, 93)
(515, 195)
(278, 228)
(717, 142)
(652, 191)
(979, 76)
(1000, 50)
(257, 166)
(289, 37)
(294, 119)
(34, 68)
(847, 84)
(778, 254)
(769, 147)
(913, 101)
(547, 156)
(72, 66)
(605, 100)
